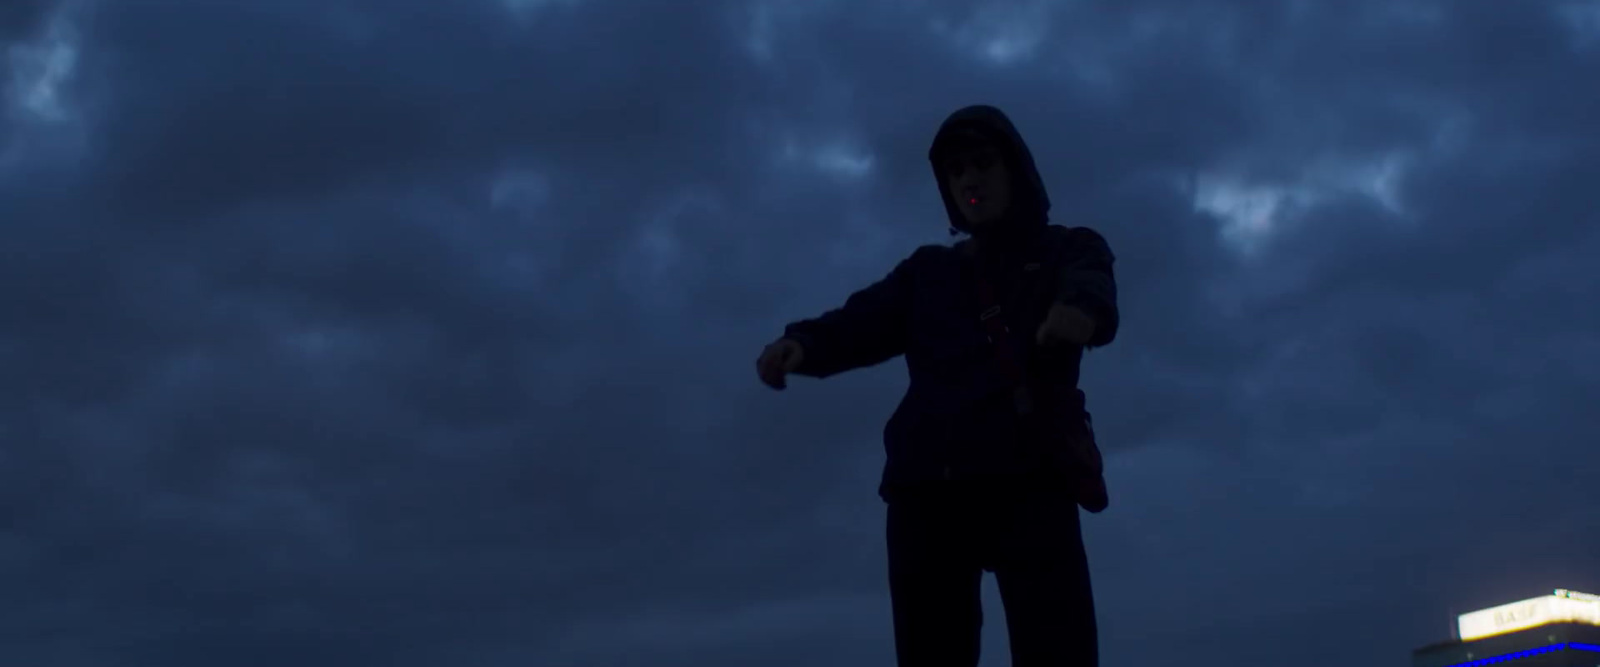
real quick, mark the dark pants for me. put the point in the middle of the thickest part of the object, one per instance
(942, 540)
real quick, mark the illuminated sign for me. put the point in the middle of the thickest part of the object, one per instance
(1563, 607)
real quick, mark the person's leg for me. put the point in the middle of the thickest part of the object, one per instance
(1043, 576)
(934, 583)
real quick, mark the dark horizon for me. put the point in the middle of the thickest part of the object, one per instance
(421, 333)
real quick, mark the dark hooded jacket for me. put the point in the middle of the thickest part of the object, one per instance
(959, 418)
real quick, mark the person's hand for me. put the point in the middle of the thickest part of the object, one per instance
(778, 360)
(1065, 324)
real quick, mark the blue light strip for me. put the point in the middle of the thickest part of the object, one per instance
(1575, 646)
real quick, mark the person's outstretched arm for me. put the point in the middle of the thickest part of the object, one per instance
(1088, 283)
(869, 329)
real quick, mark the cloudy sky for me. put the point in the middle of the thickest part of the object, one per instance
(406, 333)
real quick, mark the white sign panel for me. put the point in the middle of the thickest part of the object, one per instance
(1564, 607)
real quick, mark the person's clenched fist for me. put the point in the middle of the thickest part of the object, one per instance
(778, 360)
(1067, 325)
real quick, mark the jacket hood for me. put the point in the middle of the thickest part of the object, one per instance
(1030, 205)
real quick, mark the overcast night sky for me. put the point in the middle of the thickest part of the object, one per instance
(404, 333)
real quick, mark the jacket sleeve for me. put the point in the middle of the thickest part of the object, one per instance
(1088, 281)
(869, 329)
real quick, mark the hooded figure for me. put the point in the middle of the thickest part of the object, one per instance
(990, 453)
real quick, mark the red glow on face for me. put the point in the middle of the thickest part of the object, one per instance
(974, 200)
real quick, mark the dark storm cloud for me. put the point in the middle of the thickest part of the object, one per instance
(20, 19)
(420, 333)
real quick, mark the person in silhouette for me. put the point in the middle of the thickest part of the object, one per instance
(990, 453)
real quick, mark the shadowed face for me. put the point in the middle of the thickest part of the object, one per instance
(977, 179)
